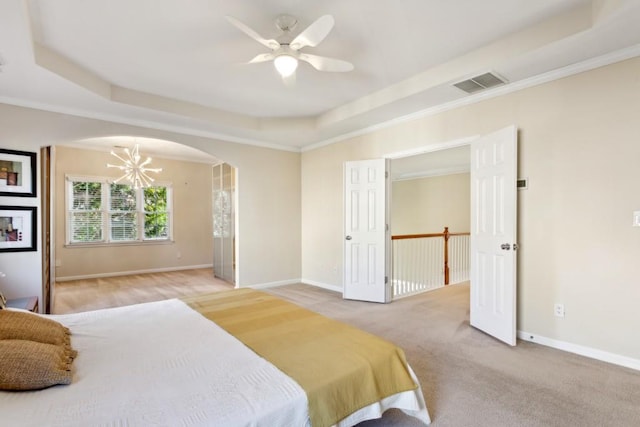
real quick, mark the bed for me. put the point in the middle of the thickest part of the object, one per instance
(235, 358)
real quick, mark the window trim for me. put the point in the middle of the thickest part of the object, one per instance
(106, 212)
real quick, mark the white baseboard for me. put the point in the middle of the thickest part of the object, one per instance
(272, 284)
(128, 273)
(333, 288)
(592, 353)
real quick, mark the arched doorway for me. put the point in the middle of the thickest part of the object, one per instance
(186, 172)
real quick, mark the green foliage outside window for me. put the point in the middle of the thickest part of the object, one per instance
(124, 206)
(86, 218)
(156, 217)
(123, 217)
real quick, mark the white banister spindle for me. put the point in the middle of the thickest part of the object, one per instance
(418, 263)
(459, 259)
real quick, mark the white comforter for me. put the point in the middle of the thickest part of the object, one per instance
(159, 364)
(163, 364)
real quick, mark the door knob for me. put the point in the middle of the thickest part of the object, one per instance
(505, 246)
(348, 237)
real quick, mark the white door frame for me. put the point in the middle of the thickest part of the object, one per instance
(431, 148)
(428, 149)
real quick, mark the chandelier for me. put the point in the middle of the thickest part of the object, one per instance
(134, 170)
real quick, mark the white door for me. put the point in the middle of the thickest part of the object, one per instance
(493, 234)
(366, 239)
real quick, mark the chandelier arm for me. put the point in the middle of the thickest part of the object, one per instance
(114, 154)
(145, 181)
(146, 162)
(134, 171)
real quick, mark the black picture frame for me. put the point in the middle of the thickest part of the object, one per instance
(18, 228)
(17, 173)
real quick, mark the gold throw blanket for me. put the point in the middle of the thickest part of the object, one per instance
(341, 368)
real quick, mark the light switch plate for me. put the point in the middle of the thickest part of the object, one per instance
(636, 219)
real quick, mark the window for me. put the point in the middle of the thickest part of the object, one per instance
(156, 213)
(85, 216)
(101, 211)
(122, 214)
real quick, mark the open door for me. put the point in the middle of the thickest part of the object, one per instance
(493, 234)
(224, 187)
(367, 240)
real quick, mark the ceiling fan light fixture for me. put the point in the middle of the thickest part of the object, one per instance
(287, 53)
(286, 65)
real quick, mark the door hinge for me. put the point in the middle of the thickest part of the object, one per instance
(386, 227)
(386, 174)
(386, 279)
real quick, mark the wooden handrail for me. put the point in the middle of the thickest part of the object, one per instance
(446, 256)
(445, 234)
(419, 236)
(415, 236)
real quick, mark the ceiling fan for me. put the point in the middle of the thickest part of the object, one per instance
(286, 53)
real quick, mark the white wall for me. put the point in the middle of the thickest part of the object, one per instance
(579, 147)
(427, 205)
(268, 186)
(23, 270)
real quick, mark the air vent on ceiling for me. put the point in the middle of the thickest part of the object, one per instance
(481, 82)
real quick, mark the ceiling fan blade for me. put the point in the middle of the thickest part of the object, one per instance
(270, 43)
(263, 57)
(322, 63)
(314, 33)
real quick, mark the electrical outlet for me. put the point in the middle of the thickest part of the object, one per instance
(178, 255)
(558, 310)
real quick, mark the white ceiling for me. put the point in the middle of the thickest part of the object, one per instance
(181, 66)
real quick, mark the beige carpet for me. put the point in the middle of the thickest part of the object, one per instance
(471, 379)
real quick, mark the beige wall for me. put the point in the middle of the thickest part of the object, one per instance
(268, 202)
(427, 205)
(192, 219)
(579, 147)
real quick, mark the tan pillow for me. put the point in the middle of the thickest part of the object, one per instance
(29, 365)
(22, 325)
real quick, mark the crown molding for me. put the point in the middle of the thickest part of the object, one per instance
(144, 123)
(590, 64)
(604, 60)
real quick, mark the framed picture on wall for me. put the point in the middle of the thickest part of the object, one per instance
(17, 173)
(18, 228)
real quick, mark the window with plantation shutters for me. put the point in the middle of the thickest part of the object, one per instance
(102, 212)
(85, 213)
(123, 217)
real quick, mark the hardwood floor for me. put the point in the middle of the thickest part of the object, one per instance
(93, 294)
